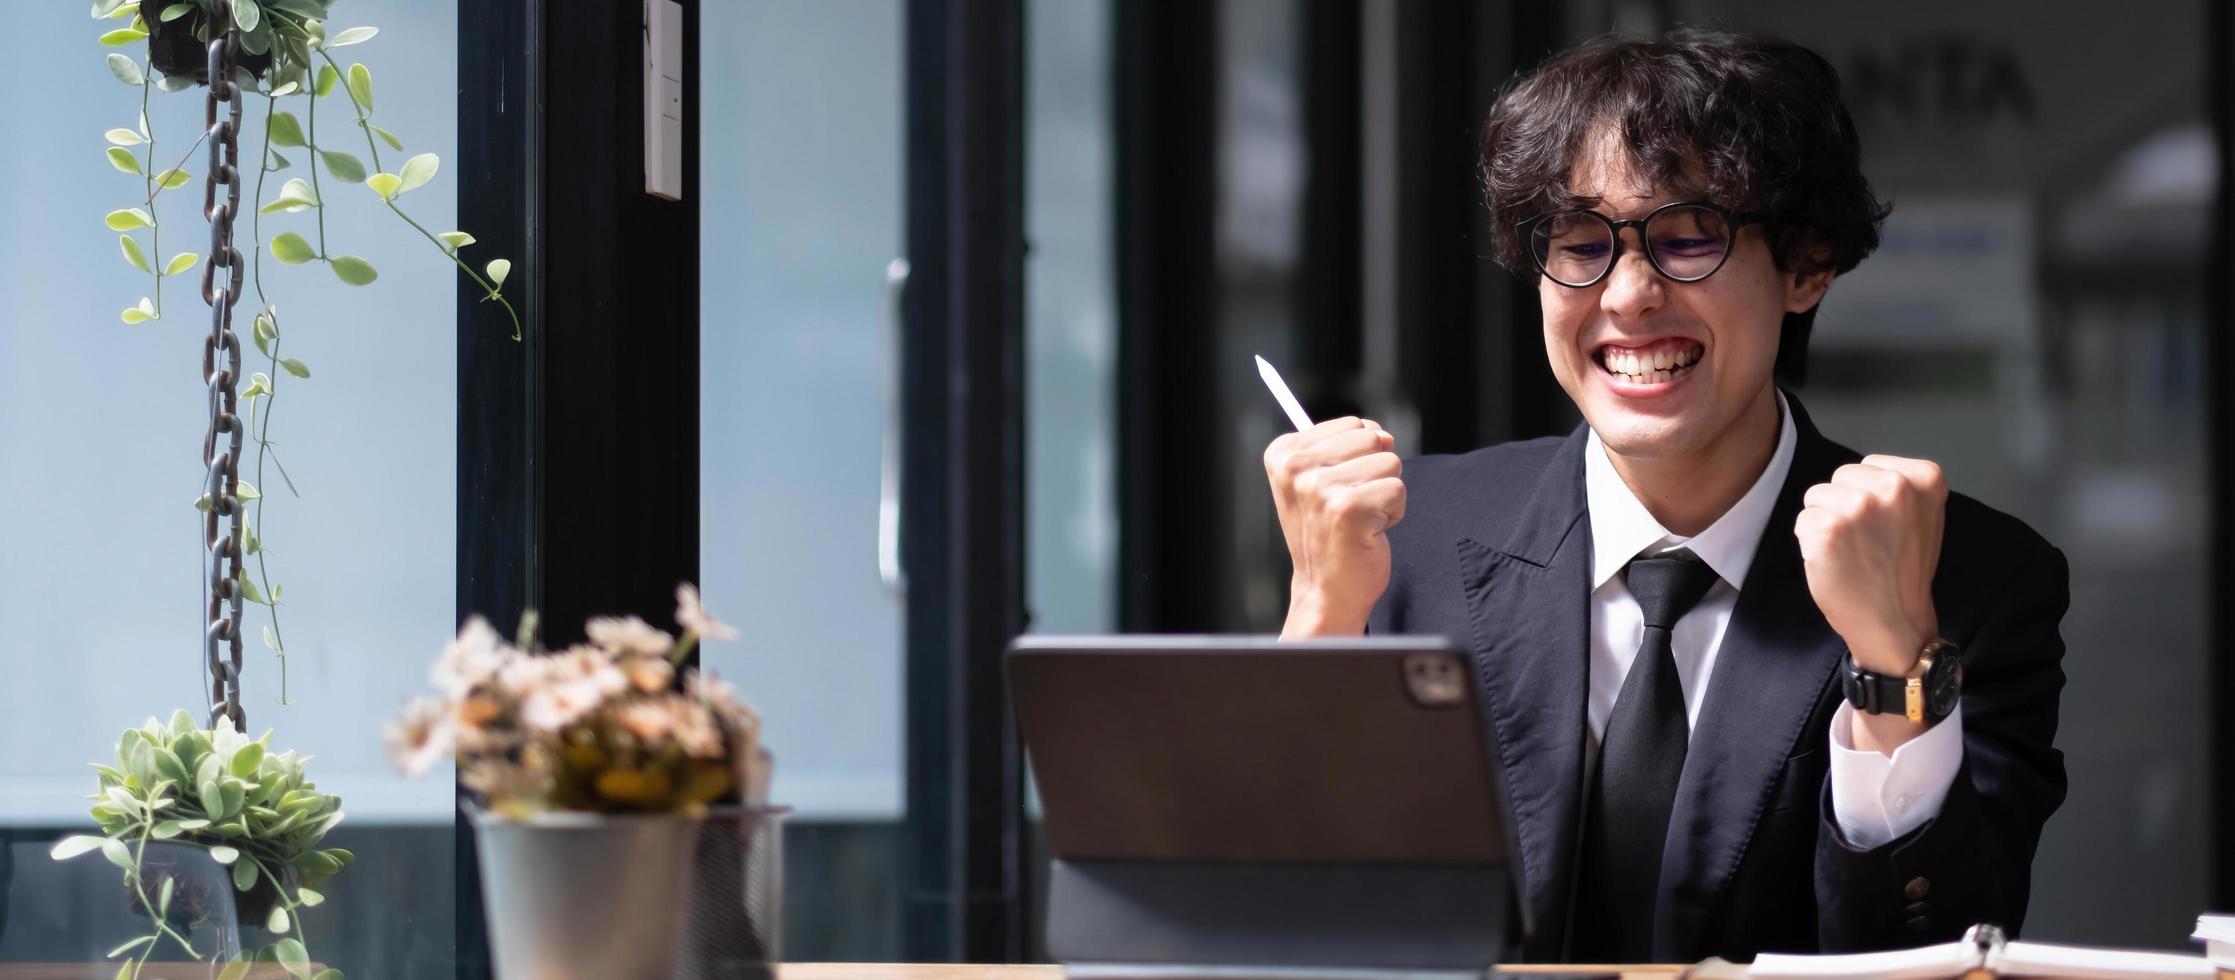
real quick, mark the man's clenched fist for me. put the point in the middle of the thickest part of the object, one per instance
(1338, 489)
(1870, 541)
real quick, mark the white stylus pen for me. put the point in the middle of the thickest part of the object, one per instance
(1281, 394)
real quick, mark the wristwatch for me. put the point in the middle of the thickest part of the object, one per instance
(1927, 694)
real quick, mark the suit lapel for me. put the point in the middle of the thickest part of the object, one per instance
(1776, 658)
(1528, 603)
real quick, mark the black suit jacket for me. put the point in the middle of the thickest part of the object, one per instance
(1495, 554)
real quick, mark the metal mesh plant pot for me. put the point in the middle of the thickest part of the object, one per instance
(734, 927)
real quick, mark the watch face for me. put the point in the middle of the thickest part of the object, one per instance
(1944, 683)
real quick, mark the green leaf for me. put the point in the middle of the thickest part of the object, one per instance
(291, 249)
(202, 503)
(385, 184)
(122, 36)
(129, 219)
(310, 899)
(195, 824)
(294, 196)
(270, 640)
(353, 270)
(112, 8)
(244, 876)
(72, 846)
(247, 759)
(163, 903)
(126, 70)
(246, 14)
(133, 254)
(141, 313)
(249, 592)
(174, 179)
(174, 12)
(143, 940)
(128, 970)
(455, 240)
(284, 129)
(258, 384)
(123, 137)
(180, 263)
(354, 35)
(124, 160)
(343, 166)
(292, 955)
(419, 169)
(117, 853)
(327, 76)
(360, 86)
(295, 367)
(165, 830)
(278, 162)
(498, 269)
(328, 974)
(286, 90)
(224, 855)
(236, 969)
(278, 921)
(251, 541)
(387, 137)
(246, 490)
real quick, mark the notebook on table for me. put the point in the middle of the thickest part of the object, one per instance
(1983, 952)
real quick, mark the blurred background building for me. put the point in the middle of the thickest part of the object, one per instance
(1052, 422)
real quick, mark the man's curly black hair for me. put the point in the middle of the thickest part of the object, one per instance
(1750, 123)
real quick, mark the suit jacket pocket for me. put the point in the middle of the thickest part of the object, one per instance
(1800, 782)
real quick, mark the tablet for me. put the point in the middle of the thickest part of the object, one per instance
(1242, 802)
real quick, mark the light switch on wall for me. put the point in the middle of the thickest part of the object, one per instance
(663, 99)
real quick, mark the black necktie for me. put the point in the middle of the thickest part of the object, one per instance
(1641, 758)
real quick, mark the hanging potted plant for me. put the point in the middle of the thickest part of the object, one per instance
(596, 773)
(210, 830)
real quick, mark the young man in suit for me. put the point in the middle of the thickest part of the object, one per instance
(1750, 690)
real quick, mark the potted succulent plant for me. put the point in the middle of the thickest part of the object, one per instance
(178, 795)
(597, 772)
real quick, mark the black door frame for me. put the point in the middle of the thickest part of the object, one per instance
(559, 434)
(962, 480)
(558, 431)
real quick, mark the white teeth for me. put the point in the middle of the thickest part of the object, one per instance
(1657, 366)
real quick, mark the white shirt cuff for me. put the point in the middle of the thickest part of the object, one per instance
(1878, 798)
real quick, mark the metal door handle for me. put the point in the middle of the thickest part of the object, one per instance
(888, 480)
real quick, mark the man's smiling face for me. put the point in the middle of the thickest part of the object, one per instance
(1664, 369)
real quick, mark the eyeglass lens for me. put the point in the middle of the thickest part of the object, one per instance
(1685, 242)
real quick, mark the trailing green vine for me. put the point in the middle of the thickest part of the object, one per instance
(297, 62)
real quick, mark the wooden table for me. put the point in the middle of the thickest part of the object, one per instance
(790, 971)
(904, 971)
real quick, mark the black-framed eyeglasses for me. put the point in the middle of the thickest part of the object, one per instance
(1685, 241)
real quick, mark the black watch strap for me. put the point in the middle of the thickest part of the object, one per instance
(1873, 694)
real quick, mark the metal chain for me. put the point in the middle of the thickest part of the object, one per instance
(223, 523)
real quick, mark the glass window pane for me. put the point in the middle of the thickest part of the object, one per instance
(801, 159)
(101, 425)
(1071, 319)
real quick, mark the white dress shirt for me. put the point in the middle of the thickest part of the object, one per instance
(1875, 798)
